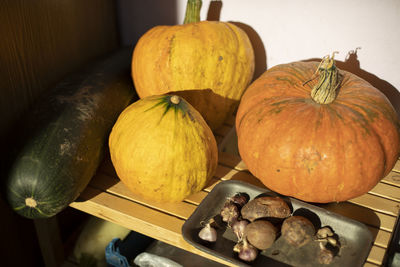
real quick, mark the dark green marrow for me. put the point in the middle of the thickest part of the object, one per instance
(63, 138)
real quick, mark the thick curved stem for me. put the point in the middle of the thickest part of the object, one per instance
(325, 91)
(193, 8)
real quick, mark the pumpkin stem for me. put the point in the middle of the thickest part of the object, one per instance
(175, 99)
(325, 91)
(30, 202)
(192, 11)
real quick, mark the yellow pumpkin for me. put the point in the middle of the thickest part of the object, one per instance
(209, 63)
(162, 149)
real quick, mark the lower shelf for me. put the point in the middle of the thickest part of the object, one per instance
(106, 197)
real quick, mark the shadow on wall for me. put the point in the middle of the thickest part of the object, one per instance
(137, 17)
(259, 49)
(213, 14)
(352, 64)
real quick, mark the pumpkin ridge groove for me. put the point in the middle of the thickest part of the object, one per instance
(212, 63)
(356, 136)
(163, 174)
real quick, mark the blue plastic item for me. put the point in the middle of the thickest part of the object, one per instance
(119, 253)
(113, 255)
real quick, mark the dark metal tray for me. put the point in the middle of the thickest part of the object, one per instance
(354, 237)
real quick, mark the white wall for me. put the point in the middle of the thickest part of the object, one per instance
(289, 30)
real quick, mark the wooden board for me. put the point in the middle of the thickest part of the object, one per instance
(42, 41)
(108, 198)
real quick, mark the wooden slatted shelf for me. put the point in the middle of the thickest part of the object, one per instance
(106, 197)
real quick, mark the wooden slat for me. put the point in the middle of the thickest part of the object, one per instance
(396, 167)
(378, 209)
(382, 238)
(392, 178)
(137, 217)
(378, 204)
(386, 191)
(384, 204)
(129, 214)
(197, 197)
(180, 209)
(163, 226)
(362, 214)
(376, 255)
(225, 173)
(235, 162)
(369, 264)
(183, 209)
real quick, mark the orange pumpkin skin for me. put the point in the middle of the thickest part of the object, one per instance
(208, 63)
(316, 152)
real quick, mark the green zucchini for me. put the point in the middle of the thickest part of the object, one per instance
(64, 137)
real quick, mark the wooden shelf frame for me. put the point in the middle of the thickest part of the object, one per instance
(106, 197)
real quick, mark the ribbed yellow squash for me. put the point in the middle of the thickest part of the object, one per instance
(162, 149)
(209, 63)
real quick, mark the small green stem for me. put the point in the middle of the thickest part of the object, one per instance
(175, 99)
(193, 8)
(325, 91)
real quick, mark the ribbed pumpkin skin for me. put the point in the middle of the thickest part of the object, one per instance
(316, 152)
(209, 63)
(162, 151)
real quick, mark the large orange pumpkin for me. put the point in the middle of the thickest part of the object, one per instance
(209, 63)
(324, 136)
